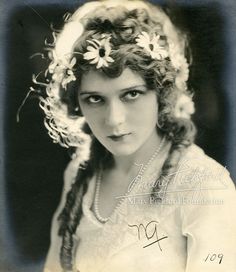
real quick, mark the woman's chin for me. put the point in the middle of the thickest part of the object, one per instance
(121, 150)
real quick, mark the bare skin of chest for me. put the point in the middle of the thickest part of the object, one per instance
(113, 185)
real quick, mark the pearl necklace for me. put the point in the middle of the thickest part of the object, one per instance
(133, 183)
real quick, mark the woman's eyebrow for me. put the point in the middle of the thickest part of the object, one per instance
(121, 90)
(133, 88)
(89, 92)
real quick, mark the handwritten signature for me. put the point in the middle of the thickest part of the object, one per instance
(187, 173)
(149, 232)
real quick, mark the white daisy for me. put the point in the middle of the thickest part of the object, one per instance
(98, 52)
(68, 78)
(152, 45)
(69, 74)
(63, 72)
(184, 107)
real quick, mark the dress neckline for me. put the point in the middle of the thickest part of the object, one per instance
(88, 199)
(89, 196)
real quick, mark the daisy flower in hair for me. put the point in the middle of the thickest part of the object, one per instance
(98, 52)
(69, 74)
(62, 70)
(152, 45)
(184, 107)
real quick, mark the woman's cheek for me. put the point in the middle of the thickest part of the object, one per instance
(94, 119)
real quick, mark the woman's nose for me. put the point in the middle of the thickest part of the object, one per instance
(115, 114)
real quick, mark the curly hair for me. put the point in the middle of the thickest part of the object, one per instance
(122, 25)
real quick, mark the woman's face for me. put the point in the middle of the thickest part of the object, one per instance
(121, 111)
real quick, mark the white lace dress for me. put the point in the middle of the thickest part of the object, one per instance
(192, 229)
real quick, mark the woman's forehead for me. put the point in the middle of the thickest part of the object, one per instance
(97, 81)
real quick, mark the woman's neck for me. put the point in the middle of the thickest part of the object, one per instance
(130, 163)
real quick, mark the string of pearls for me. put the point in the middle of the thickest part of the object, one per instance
(133, 183)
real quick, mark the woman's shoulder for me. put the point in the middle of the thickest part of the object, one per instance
(196, 168)
(196, 156)
(207, 198)
(197, 160)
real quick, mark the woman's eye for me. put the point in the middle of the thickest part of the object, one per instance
(94, 99)
(132, 95)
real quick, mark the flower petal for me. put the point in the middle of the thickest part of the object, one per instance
(155, 39)
(93, 43)
(146, 36)
(95, 60)
(109, 59)
(155, 55)
(100, 63)
(90, 55)
(91, 48)
(105, 63)
(73, 62)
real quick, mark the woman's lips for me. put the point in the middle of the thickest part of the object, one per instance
(118, 137)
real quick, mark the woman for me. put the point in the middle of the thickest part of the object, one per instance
(138, 194)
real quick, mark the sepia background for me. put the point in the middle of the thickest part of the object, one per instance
(31, 166)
